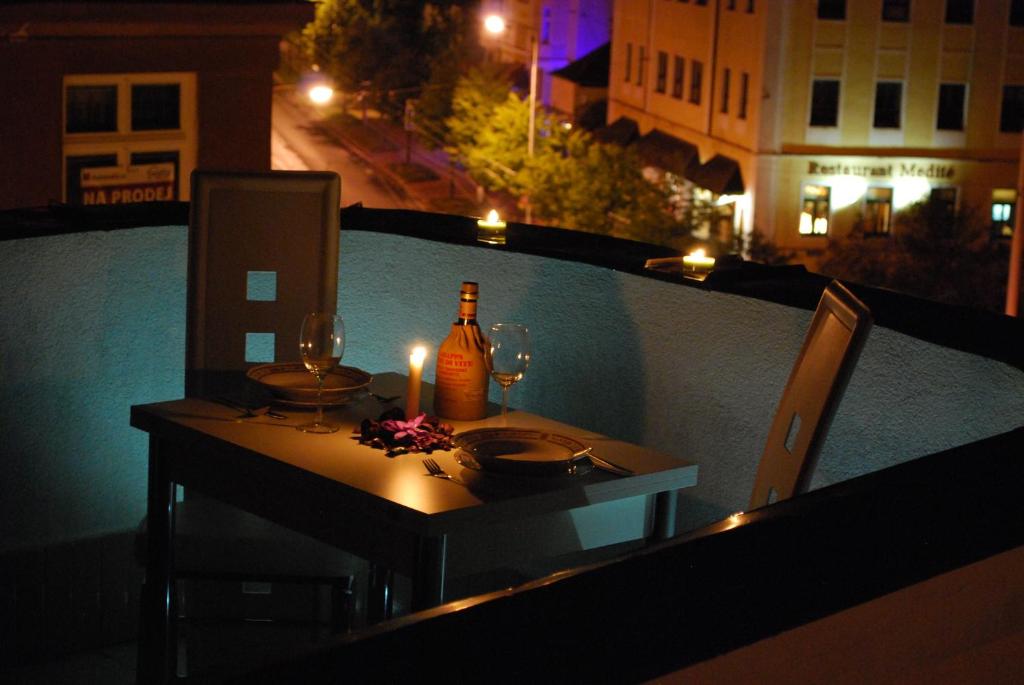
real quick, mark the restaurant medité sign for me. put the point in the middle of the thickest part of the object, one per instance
(118, 185)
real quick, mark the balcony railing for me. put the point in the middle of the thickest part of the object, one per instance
(93, 307)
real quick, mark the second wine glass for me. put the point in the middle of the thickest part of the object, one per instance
(507, 356)
(321, 343)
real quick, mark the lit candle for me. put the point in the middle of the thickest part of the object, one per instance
(698, 261)
(492, 229)
(412, 395)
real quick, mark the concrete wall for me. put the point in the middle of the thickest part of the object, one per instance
(93, 323)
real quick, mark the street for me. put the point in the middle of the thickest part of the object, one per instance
(298, 143)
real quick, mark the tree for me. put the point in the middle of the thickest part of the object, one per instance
(388, 46)
(934, 252)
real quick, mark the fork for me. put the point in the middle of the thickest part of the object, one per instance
(434, 469)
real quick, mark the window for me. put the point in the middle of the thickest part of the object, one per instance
(156, 107)
(878, 211)
(148, 140)
(814, 214)
(744, 87)
(662, 71)
(831, 9)
(91, 109)
(696, 76)
(887, 104)
(959, 11)
(1003, 202)
(641, 66)
(629, 61)
(725, 91)
(1011, 119)
(750, 6)
(895, 10)
(945, 198)
(825, 103)
(702, 2)
(1016, 12)
(731, 5)
(545, 26)
(678, 69)
(951, 107)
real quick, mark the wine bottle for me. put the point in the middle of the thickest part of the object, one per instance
(460, 387)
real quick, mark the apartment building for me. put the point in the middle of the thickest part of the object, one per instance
(565, 30)
(802, 118)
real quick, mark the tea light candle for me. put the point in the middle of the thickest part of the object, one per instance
(412, 395)
(492, 222)
(491, 230)
(698, 261)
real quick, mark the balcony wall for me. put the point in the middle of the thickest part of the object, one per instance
(94, 322)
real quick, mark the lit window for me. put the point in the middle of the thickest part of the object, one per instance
(814, 214)
(878, 211)
(1011, 119)
(825, 102)
(696, 76)
(678, 69)
(951, 107)
(888, 96)
(744, 87)
(1003, 203)
(831, 9)
(959, 11)
(662, 72)
(725, 91)
(895, 10)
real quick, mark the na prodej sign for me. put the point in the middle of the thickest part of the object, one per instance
(118, 185)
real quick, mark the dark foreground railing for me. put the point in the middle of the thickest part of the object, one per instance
(718, 589)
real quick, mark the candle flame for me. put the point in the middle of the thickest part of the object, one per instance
(699, 254)
(492, 217)
(419, 353)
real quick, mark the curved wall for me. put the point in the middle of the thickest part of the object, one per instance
(94, 322)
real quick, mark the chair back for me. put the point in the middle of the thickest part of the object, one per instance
(834, 341)
(263, 252)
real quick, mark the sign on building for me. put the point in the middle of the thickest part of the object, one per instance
(120, 185)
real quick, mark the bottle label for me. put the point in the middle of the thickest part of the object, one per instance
(461, 381)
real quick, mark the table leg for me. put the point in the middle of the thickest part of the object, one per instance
(665, 505)
(157, 648)
(379, 594)
(429, 576)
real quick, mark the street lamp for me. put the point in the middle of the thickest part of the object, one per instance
(495, 24)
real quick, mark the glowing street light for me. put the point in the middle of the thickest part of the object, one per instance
(320, 94)
(495, 24)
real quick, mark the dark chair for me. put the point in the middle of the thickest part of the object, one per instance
(263, 252)
(816, 384)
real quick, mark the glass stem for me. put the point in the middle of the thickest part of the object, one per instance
(319, 399)
(504, 400)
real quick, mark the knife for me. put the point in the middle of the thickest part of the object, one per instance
(602, 464)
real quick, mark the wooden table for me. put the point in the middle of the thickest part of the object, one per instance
(353, 496)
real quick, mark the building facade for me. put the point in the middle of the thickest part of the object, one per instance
(108, 102)
(810, 117)
(565, 30)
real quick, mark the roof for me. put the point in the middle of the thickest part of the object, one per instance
(591, 70)
(720, 174)
(622, 131)
(659, 149)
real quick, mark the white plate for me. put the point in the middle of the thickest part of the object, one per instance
(520, 452)
(290, 383)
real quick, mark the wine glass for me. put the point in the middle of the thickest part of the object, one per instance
(507, 356)
(321, 342)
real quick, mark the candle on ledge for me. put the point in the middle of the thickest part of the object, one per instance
(698, 261)
(491, 230)
(412, 395)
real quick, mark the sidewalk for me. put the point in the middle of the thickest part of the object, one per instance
(428, 178)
